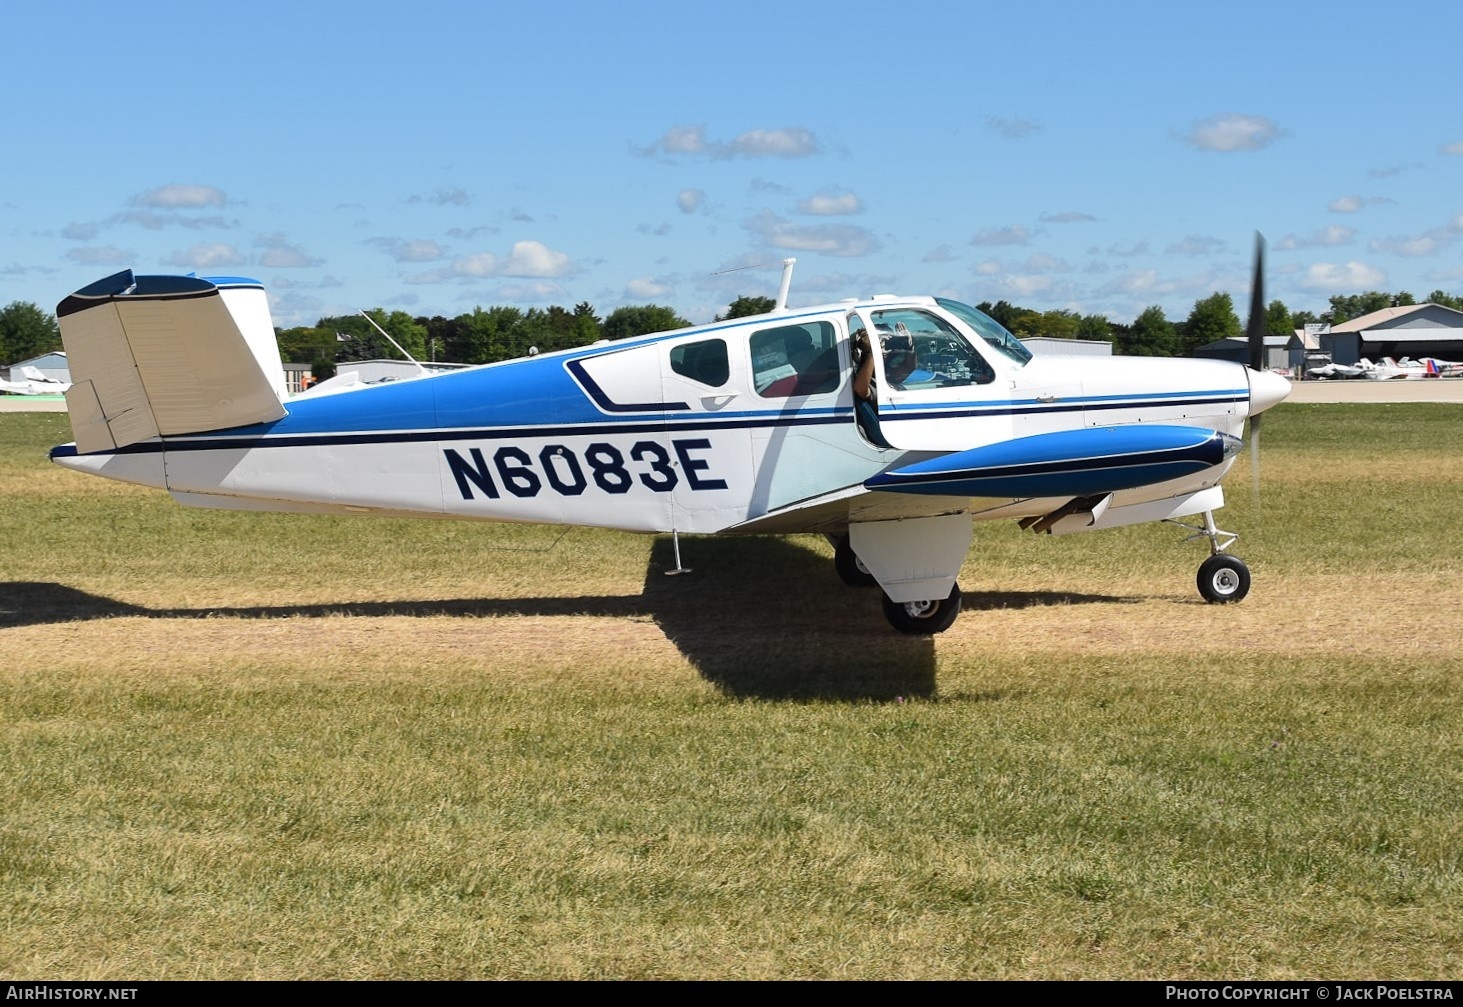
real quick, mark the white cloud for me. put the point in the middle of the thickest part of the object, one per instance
(827, 239)
(1011, 129)
(691, 141)
(1013, 235)
(1068, 217)
(402, 250)
(281, 254)
(986, 267)
(1353, 204)
(1326, 237)
(1455, 148)
(941, 253)
(1331, 278)
(828, 204)
(1044, 263)
(80, 232)
(527, 259)
(1195, 244)
(206, 255)
(690, 200)
(534, 258)
(1132, 251)
(646, 286)
(1232, 132)
(444, 197)
(1414, 246)
(792, 142)
(181, 197)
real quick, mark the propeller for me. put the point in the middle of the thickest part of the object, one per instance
(1255, 335)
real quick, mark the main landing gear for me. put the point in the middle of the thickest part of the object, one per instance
(923, 618)
(917, 618)
(1223, 579)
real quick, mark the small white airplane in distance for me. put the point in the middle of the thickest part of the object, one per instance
(745, 426)
(1442, 368)
(32, 382)
(1334, 370)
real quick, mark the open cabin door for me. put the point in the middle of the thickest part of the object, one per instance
(934, 390)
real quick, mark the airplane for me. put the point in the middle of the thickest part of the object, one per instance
(1335, 370)
(33, 382)
(1437, 368)
(744, 426)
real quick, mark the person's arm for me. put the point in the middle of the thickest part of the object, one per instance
(863, 377)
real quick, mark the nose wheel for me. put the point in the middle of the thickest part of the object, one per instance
(1223, 579)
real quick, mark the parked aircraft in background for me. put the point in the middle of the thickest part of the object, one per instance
(32, 382)
(1442, 368)
(1334, 370)
(745, 426)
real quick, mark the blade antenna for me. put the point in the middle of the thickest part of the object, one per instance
(1255, 336)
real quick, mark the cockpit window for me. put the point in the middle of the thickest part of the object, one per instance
(705, 362)
(990, 330)
(922, 350)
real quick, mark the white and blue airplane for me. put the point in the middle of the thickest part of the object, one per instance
(738, 427)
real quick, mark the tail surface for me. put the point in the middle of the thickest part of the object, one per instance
(162, 355)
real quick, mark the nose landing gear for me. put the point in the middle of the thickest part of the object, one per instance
(1223, 579)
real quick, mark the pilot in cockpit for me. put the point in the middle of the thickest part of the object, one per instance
(900, 355)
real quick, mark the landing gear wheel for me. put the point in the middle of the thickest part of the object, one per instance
(923, 618)
(851, 569)
(1223, 579)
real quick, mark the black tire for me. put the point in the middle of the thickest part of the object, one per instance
(1223, 579)
(923, 618)
(851, 569)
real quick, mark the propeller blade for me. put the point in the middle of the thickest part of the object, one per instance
(1255, 335)
(1255, 460)
(1255, 331)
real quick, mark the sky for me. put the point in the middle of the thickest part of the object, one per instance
(433, 157)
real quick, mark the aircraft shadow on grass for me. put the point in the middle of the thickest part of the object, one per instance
(801, 634)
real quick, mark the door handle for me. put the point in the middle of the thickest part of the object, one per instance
(717, 401)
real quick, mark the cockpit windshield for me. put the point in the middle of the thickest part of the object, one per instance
(992, 331)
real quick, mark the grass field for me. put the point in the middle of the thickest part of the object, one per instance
(249, 746)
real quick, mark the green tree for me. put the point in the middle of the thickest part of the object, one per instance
(1002, 311)
(1345, 307)
(1212, 319)
(744, 306)
(640, 320)
(26, 331)
(305, 343)
(1278, 320)
(1150, 335)
(1095, 327)
(1446, 300)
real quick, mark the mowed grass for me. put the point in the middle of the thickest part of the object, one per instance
(252, 746)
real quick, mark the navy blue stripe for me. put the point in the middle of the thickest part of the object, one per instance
(891, 480)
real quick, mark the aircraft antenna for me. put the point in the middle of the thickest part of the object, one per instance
(393, 342)
(787, 265)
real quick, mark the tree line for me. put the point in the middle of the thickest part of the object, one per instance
(487, 335)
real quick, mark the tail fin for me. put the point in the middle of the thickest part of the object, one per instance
(161, 355)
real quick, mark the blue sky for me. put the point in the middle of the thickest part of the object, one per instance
(432, 157)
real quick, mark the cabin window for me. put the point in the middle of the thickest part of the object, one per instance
(922, 350)
(795, 360)
(706, 361)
